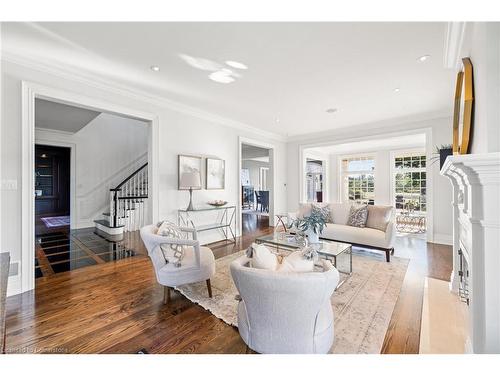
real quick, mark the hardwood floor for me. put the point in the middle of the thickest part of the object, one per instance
(117, 307)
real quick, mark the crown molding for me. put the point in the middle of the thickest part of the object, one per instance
(103, 83)
(454, 39)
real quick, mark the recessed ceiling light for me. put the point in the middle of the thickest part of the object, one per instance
(397, 89)
(277, 119)
(155, 68)
(236, 64)
(331, 110)
(424, 58)
(221, 77)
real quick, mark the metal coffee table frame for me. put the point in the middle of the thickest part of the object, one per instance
(289, 246)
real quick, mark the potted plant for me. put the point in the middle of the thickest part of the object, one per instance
(311, 225)
(441, 154)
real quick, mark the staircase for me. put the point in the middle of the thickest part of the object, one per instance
(127, 205)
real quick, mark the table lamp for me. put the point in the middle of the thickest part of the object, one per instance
(192, 180)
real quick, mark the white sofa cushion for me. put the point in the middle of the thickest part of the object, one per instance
(261, 257)
(379, 217)
(340, 212)
(295, 262)
(361, 236)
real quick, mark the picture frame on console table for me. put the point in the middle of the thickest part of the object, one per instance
(216, 174)
(188, 164)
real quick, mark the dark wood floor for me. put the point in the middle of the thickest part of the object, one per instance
(117, 307)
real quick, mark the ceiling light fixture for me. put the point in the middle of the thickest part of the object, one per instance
(236, 64)
(155, 68)
(221, 77)
(424, 58)
(331, 110)
(397, 89)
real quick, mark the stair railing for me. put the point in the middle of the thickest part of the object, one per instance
(128, 197)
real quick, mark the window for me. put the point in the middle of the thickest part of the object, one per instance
(359, 179)
(410, 182)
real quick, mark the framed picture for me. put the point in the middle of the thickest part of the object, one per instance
(187, 164)
(462, 114)
(216, 173)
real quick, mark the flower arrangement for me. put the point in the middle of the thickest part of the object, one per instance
(312, 224)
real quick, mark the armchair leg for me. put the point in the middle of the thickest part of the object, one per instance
(392, 251)
(166, 295)
(388, 255)
(209, 287)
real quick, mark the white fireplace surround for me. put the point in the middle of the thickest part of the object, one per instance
(476, 232)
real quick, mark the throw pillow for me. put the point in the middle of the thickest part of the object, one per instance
(324, 209)
(358, 216)
(296, 262)
(172, 253)
(262, 257)
(379, 217)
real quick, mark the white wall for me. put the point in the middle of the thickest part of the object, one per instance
(182, 130)
(482, 45)
(253, 167)
(107, 150)
(441, 133)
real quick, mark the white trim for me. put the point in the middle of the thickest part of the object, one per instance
(72, 185)
(103, 83)
(272, 164)
(29, 92)
(455, 32)
(444, 239)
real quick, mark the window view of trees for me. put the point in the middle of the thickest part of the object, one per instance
(359, 179)
(410, 183)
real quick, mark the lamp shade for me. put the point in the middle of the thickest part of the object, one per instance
(191, 180)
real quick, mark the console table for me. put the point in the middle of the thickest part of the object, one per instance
(225, 221)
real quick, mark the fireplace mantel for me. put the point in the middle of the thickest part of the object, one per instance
(476, 235)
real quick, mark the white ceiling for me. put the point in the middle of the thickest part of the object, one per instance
(394, 143)
(296, 70)
(61, 117)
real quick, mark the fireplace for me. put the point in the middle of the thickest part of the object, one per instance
(476, 244)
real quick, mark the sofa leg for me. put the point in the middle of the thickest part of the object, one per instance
(388, 255)
(209, 287)
(166, 295)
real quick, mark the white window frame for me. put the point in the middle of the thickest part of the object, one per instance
(341, 187)
(410, 152)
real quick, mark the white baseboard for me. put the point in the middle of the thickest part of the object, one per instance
(14, 285)
(443, 239)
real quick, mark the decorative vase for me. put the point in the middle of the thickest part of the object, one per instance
(312, 237)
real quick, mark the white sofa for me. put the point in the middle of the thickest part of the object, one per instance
(378, 234)
(285, 312)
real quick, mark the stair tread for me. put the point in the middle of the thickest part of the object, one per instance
(107, 224)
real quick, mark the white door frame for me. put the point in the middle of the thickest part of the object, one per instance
(72, 178)
(272, 164)
(30, 91)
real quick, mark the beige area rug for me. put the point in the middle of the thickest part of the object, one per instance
(362, 306)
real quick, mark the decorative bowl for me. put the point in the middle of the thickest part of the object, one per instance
(217, 203)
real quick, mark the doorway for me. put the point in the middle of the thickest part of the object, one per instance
(256, 187)
(32, 94)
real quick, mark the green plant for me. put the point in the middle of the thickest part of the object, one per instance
(315, 221)
(435, 158)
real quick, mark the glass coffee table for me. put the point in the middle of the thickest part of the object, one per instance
(339, 253)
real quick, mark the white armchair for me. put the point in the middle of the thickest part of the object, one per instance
(284, 312)
(198, 263)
